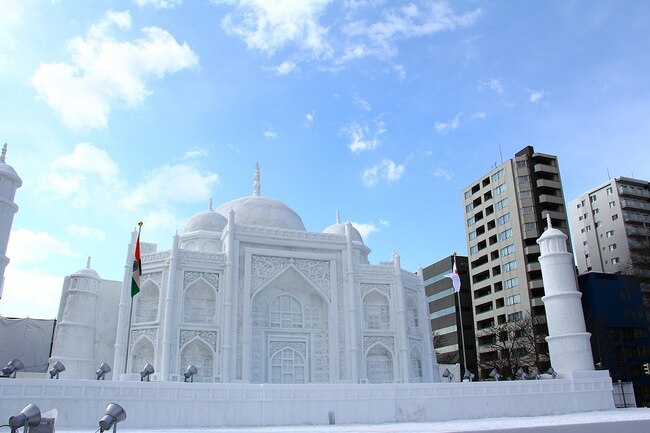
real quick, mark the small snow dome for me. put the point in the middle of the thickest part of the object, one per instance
(339, 229)
(208, 220)
(87, 272)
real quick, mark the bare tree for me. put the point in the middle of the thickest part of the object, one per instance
(510, 345)
(447, 357)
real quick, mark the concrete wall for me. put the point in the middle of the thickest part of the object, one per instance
(81, 403)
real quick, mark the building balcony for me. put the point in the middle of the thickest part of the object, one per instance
(545, 168)
(535, 284)
(635, 204)
(626, 190)
(637, 231)
(530, 267)
(531, 249)
(636, 218)
(557, 216)
(548, 198)
(550, 184)
(536, 302)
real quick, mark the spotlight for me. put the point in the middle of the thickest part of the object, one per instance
(534, 373)
(114, 414)
(495, 374)
(551, 372)
(448, 374)
(521, 374)
(57, 368)
(468, 377)
(12, 367)
(103, 369)
(189, 373)
(30, 416)
(147, 371)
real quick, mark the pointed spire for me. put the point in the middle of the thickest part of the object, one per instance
(4, 153)
(256, 180)
(88, 263)
(210, 204)
(338, 217)
(548, 220)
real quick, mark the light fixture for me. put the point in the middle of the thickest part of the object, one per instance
(495, 374)
(30, 416)
(448, 374)
(12, 367)
(534, 373)
(551, 372)
(114, 414)
(147, 371)
(189, 373)
(57, 368)
(468, 377)
(103, 369)
(521, 374)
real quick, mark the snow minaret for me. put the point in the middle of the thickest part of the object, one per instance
(9, 183)
(74, 339)
(568, 341)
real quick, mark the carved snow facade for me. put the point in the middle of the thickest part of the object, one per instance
(246, 294)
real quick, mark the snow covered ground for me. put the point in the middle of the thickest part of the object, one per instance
(619, 421)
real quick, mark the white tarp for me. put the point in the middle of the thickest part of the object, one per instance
(29, 340)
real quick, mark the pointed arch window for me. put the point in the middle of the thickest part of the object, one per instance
(379, 365)
(286, 312)
(287, 366)
(376, 312)
(199, 305)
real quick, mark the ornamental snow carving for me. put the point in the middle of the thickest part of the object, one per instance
(264, 268)
(209, 337)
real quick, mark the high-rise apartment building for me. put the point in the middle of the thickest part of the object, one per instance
(448, 309)
(505, 213)
(610, 227)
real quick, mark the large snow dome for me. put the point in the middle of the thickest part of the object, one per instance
(262, 211)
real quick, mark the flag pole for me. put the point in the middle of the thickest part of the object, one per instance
(460, 313)
(128, 330)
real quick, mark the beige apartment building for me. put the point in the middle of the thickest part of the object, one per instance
(505, 213)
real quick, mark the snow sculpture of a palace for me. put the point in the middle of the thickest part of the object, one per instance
(246, 294)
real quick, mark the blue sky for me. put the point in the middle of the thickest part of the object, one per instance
(120, 111)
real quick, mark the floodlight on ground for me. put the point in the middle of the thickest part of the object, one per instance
(448, 374)
(12, 367)
(551, 372)
(190, 372)
(102, 370)
(30, 416)
(494, 374)
(521, 374)
(468, 377)
(57, 368)
(147, 371)
(534, 373)
(114, 413)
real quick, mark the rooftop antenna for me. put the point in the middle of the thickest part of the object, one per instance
(608, 176)
(500, 153)
(256, 180)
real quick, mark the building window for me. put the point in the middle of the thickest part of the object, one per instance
(616, 261)
(521, 164)
(582, 230)
(505, 234)
(526, 194)
(512, 282)
(523, 179)
(505, 251)
(527, 210)
(512, 300)
(588, 228)
(286, 312)
(530, 226)
(578, 206)
(469, 207)
(472, 235)
(592, 198)
(499, 189)
(503, 219)
(468, 194)
(501, 204)
(580, 218)
(470, 221)
(515, 317)
(614, 217)
(612, 204)
(595, 211)
(473, 250)
(598, 224)
(497, 175)
(510, 266)
(612, 247)
(584, 242)
(609, 190)
(582, 202)
(610, 233)
(585, 216)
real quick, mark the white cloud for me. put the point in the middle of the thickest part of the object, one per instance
(309, 118)
(361, 103)
(404, 22)
(386, 170)
(80, 176)
(444, 174)
(268, 26)
(400, 70)
(27, 246)
(270, 133)
(480, 115)
(492, 84)
(171, 183)
(444, 127)
(365, 229)
(159, 4)
(30, 293)
(535, 95)
(105, 73)
(194, 152)
(362, 138)
(285, 68)
(87, 232)
(384, 223)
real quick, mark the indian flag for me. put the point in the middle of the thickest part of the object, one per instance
(137, 269)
